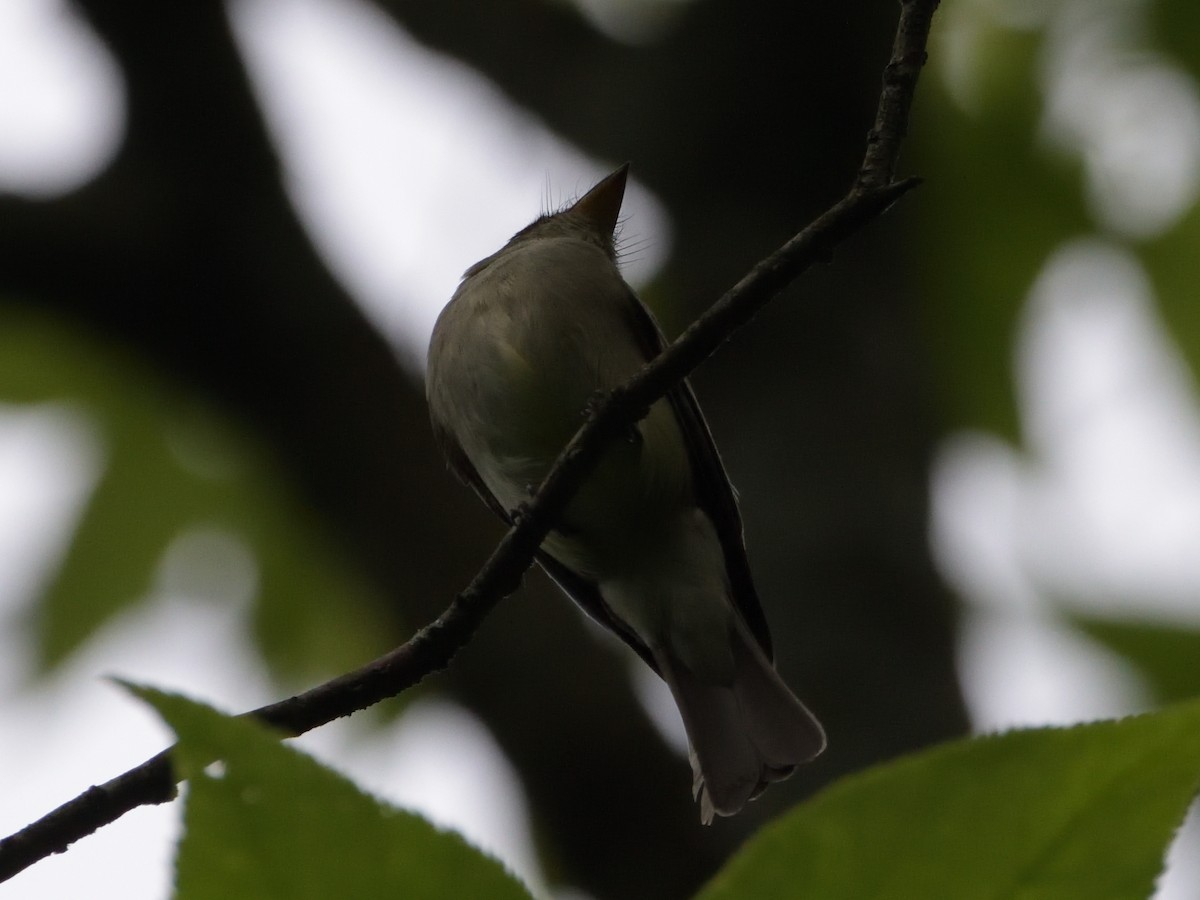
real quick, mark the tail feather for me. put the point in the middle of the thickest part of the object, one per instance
(744, 734)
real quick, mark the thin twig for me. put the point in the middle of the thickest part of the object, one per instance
(432, 648)
(895, 100)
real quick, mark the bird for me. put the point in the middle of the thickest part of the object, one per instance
(651, 545)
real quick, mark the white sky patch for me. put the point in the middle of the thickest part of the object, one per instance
(1183, 862)
(209, 564)
(1136, 126)
(656, 700)
(61, 99)
(406, 166)
(50, 458)
(1024, 670)
(1131, 116)
(1019, 666)
(1113, 509)
(1100, 514)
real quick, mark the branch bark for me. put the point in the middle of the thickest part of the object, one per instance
(432, 648)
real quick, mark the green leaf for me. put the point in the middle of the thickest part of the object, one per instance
(269, 822)
(1167, 657)
(1053, 814)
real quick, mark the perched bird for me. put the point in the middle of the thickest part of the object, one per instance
(651, 545)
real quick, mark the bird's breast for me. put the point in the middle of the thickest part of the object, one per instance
(535, 337)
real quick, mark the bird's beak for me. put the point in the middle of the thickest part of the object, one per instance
(600, 206)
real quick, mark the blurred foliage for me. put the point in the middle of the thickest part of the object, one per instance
(1082, 813)
(273, 824)
(1175, 24)
(995, 205)
(171, 466)
(1006, 190)
(1166, 656)
(1170, 262)
(1002, 196)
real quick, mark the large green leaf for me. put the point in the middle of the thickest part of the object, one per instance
(1083, 813)
(270, 822)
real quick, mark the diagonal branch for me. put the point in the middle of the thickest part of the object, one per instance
(432, 648)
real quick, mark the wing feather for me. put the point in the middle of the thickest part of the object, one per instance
(714, 492)
(584, 591)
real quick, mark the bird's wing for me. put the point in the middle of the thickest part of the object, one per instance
(462, 467)
(714, 495)
(586, 593)
(714, 492)
(582, 590)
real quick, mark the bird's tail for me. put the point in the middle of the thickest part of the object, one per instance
(744, 734)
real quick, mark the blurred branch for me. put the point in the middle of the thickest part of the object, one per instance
(432, 648)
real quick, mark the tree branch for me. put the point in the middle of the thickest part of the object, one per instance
(432, 648)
